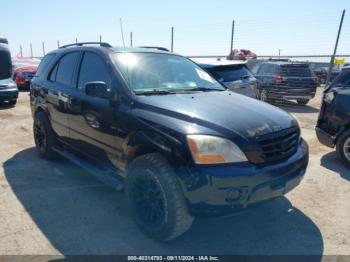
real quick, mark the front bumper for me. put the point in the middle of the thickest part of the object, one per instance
(222, 190)
(8, 94)
(325, 138)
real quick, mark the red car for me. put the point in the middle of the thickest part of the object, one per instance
(23, 72)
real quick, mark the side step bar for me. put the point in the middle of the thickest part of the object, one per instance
(106, 176)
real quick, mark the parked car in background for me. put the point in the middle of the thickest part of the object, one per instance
(23, 74)
(5, 59)
(8, 91)
(183, 145)
(284, 80)
(333, 125)
(24, 70)
(233, 74)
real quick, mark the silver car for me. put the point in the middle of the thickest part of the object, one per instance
(233, 74)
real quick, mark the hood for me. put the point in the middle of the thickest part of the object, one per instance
(28, 69)
(223, 112)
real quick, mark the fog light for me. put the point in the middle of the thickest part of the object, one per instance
(233, 194)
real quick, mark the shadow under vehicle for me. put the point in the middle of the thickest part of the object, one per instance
(79, 215)
(183, 144)
(333, 125)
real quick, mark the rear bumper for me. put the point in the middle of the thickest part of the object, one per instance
(8, 94)
(227, 189)
(292, 93)
(325, 138)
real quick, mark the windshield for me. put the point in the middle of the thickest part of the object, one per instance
(153, 72)
(230, 73)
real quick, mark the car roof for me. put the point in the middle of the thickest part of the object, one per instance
(285, 63)
(207, 63)
(106, 49)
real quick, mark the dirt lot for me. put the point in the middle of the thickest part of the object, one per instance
(57, 208)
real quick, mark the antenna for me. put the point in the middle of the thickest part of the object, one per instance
(121, 30)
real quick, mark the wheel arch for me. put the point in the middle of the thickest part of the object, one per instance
(143, 142)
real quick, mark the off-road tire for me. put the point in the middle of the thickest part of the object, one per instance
(342, 141)
(44, 148)
(176, 219)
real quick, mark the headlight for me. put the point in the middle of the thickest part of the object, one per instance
(214, 150)
(329, 97)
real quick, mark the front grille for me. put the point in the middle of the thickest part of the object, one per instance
(279, 145)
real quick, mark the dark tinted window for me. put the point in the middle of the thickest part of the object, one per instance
(53, 73)
(230, 73)
(44, 63)
(92, 69)
(66, 68)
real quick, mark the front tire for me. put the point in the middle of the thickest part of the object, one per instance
(44, 136)
(343, 148)
(156, 199)
(303, 101)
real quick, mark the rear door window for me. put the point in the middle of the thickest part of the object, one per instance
(66, 67)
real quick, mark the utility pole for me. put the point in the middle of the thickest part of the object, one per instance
(331, 64)
(20, 50)
(76, 40)
(58, 43)
(43, 49)
(172, 39)
(232, 35)
(279, 53)
(31, 50)
(131, 39)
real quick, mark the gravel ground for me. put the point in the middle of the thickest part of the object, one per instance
(57, 208)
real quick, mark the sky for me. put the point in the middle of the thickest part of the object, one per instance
(203, 27)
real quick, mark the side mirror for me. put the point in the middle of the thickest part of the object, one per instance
(98, 89)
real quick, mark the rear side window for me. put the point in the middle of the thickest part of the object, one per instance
(230, 73)
(66, 67)
(44, 63)
(92, 69)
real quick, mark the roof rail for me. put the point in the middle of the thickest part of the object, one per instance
(103, 44)
(156, 47)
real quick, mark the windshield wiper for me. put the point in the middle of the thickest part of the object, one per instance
(204, 89)
(154, 92)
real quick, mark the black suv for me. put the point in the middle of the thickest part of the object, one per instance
(333, 125)
(183, 145)
(283, 80)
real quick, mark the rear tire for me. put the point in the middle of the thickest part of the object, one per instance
(156, 198)
(343, 148)
(303, 101)
(44, 136)
(263, 95)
